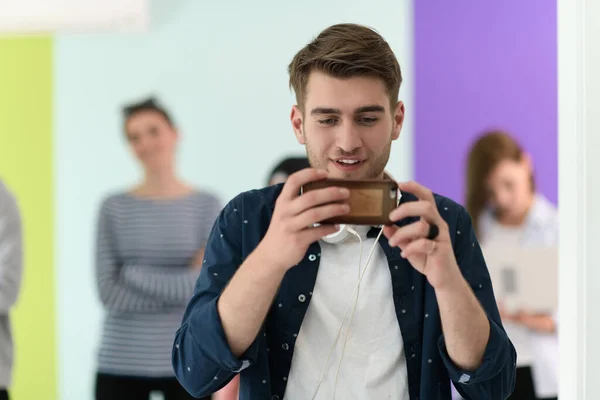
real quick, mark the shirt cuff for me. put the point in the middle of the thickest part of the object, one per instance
(497, 354)
(214, 342)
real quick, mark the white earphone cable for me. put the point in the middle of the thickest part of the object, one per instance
(354, 293)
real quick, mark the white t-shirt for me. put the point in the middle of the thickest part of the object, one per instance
(373, 364)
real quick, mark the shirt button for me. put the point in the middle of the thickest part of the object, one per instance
(312, 257)
(302, 298)
(285, 346)
(429, 361)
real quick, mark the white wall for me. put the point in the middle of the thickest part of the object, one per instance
(221, 68)
(579, 195)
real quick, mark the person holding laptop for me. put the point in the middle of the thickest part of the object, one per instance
(507, 210)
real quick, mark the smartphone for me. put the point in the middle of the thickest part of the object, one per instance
(371, 200)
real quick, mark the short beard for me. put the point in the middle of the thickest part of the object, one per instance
(378, 161)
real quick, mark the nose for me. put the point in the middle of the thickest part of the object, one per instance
(348, 138)
(142, 145)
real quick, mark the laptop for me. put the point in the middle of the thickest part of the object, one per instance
(524, 278)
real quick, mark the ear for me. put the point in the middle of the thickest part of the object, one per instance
(297, 122)
(398, 116)
(176, 134)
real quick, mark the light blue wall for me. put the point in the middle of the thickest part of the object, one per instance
(221, 68)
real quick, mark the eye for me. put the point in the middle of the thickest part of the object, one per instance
(367, 120)
(132, 138)
(328, 121)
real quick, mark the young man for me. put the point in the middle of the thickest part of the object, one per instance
(273, 297)
(11, 270)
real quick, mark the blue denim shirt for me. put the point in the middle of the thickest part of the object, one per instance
(204, 363)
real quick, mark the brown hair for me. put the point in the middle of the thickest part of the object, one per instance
(344, 51)
(149, 104)
(487, 152)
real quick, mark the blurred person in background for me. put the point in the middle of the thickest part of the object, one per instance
(285, 168)
(507, 210)
(149, 252)
(11, 270)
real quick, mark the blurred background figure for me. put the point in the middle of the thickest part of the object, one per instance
(150, 247)
(285, 168)
(507, 210)
(11, 270)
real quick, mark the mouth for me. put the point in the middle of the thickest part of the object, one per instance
(348, 164)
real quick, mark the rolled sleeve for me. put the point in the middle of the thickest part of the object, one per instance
(496, 355)
(214, 346)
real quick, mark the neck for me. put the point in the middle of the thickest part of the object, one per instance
(162, 184)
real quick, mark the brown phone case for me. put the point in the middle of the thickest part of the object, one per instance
(371, 200)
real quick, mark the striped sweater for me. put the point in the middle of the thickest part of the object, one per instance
(144, 251)
(11, 274)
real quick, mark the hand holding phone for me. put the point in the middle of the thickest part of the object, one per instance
(292, 230)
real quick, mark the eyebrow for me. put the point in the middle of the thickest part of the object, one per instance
(360, 110)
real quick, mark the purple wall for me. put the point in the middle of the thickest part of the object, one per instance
(484, 64)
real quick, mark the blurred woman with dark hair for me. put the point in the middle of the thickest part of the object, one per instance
(507, 210)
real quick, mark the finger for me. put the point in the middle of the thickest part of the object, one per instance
(419, 247)
(424, 209)
(318, 197)
(311, 235)
(418, 190)
(389, 230)
(318, 214)
(409, 232)
(292, 186)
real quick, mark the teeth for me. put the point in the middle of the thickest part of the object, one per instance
(348, 161)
